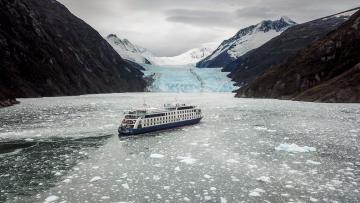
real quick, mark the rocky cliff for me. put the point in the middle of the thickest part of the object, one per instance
(326, 71)
(47, 51)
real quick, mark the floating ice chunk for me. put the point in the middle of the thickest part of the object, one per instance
(354, 130)
(125, 186)
(256, 192)
(207, 176)
(312, 162)
(96, 178)
(166, 187)
(264, 179)
(158, 196)
(260, 128)
(294, 148)
(223, 200)
(177, 168)
(213, 188)
(51, 198)
(67, 180)
(58, 173)
(156, 177)
(186, 159)
(232, 161)
(186, 199)
(252, 166)
(29, 139)
(105, 197)
(207, 198)
(234, 179)
(124, 175)
(156, 156)
(313, 199)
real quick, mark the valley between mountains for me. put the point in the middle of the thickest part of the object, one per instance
(276, 103)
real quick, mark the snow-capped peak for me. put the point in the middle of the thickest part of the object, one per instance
(245, 40)
(190, 57)
(129, 51)
(287, 20)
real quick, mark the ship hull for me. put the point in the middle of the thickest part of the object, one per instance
(129, 131)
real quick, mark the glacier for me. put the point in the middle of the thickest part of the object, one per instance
(187, 78)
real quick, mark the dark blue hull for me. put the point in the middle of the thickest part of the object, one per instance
(129, 131)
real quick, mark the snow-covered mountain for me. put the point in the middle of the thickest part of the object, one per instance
(245, 40)
(138, 54)
(190, 57)
(129, 51)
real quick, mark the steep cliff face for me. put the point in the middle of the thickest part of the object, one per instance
(47, 51)
(287, 44)
(327, 71)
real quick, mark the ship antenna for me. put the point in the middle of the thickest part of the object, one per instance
(144, 102)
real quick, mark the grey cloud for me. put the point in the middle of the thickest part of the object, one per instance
(200, 17)
(255, 12)
(169, 27)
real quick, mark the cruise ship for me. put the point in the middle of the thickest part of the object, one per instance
(149, 119)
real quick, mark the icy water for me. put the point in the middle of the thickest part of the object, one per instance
(244, 150)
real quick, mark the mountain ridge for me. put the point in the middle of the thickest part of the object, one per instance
(287, 44)
(128, 50)
(245, 40)
(326, 71)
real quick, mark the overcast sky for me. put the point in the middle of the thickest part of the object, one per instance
(170, 27)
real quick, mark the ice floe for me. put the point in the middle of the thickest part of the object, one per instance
(156, 156)
(312, 162)
(294, 148)
(264, 179)
(256, 192)
(125, 186)
(96, 178)
(223, 200)
(51, 198)
(186, 159)
(232, 161)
